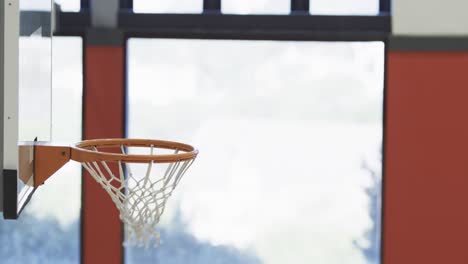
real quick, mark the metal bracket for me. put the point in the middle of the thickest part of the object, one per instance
(38, 161)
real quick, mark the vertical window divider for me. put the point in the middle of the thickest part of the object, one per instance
(212, 6)
(84, 5)
(385, 6)
(300, 7)
(126, 5)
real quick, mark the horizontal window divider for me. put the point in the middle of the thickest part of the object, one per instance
(250, 27)
(72, 23)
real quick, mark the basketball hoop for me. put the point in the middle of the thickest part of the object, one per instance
(140, 197)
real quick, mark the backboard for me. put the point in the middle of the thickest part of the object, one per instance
(26, 96)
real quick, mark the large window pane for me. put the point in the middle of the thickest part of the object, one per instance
(69, 5)
(48, 230)
(290, 136)
(256, 6)
(168, 6)
(344, 7)
(35, 5)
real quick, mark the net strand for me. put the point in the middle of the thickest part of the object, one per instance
(140, 201)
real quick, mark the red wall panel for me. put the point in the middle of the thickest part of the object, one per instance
(426, 174)
(103, 118)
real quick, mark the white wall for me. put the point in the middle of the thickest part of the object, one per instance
(430, 17)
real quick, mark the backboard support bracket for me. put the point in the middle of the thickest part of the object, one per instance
(38, 161)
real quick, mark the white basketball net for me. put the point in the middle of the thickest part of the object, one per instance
(140, 200)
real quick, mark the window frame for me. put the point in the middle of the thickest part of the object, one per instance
(298, 25)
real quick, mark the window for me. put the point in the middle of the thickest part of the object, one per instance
(69, 5)
(317, 7)
(35, 5)
(344, 7)
(49, 228)
(168, 6)
(290, 135)
(256, 6)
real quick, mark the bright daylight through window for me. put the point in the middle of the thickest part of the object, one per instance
(317, 7)
(344, 7)
(291, 134)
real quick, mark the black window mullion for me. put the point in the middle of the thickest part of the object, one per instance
(300, 6)
(126, 4)
(211, 6)
(385, 6)
(84, 5)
